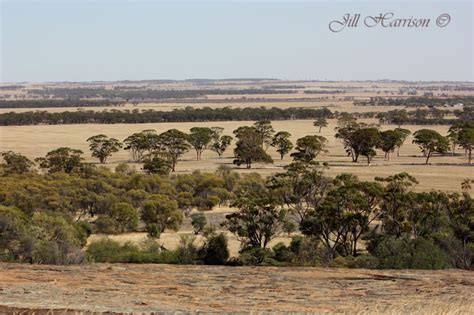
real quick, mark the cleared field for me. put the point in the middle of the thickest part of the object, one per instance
(183, 289)
(445, 172)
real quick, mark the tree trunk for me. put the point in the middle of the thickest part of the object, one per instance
(470, 157)
(320, 128)
(427, 158)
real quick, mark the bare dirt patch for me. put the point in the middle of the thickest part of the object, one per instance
(166, 288)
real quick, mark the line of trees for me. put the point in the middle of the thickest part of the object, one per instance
(417, 101)
(58, 103)
(140, 93)
(341, 221)
(160, 153)
(189, 114)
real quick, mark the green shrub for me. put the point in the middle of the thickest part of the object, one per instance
(215, 251)
(405, 253)
(254, 256)
(198, 221)
(106, 250)
(105, 225)
(282, 253)
(153, 230)
(187, 252)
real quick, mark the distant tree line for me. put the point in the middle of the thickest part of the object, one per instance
(417, 101)
(58, 103)
(11, 87)
(324, 91)
(128, 94)
(430, 116)
(188, 114)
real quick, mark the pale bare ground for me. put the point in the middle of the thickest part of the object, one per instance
(445, 172)
(171, 239)
(120, 288)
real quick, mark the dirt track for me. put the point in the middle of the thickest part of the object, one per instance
(167, 288)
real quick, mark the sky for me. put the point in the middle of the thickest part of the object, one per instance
(131, 40)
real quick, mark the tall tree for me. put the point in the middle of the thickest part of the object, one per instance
(15, 163)
(281, 141)
(466, 140)
(403, 135)
(308, 148)
(320, 122)
(200, 138)
(430, 141)
(63, 159)
(248, 148)
(219, 142)
(389, 141)
(162, 211)
(257, 220)
(265, 132)
(141, 143)
(102, 146)
(367, 139)
(345, 132)
(175, 144)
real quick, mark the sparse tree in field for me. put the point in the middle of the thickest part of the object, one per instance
(466, 184)
(453, 134)
(63, 159)
(346, 132)
(320, 123)
(389, 141)
(219, 142)
(102, 146)
(346, 120)
(281, 141)
(141, 143)
(403, 135)
(15, 163)
(466, 141)
(265, 132)
(198, 221)
(200, 138)
(308, 148)
(367, 139)
(248, 148)
(175, 144)
(430, 141)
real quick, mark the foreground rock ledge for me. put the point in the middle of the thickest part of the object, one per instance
(170, 288)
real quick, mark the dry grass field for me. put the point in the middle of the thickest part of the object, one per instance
(36, 289)
(444, 173)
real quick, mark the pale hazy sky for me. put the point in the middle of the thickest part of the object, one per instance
(131, 40)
